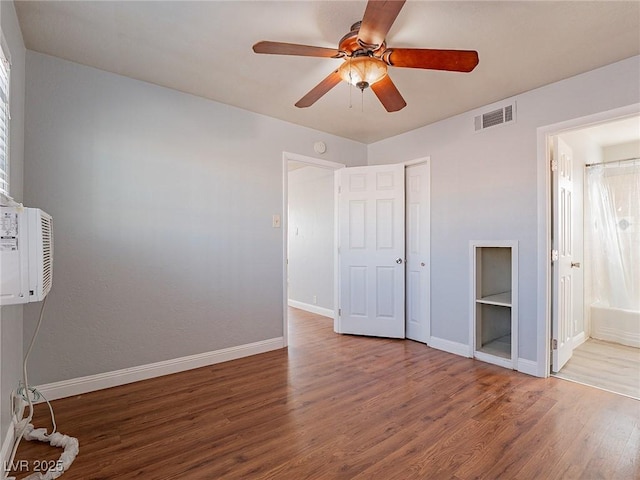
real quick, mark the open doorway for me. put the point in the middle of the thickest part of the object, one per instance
(309, 235)
(596, 255)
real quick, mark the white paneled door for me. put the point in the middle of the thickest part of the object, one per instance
(562, 255)
(371, 249)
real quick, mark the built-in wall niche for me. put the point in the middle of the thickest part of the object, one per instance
(494, 312)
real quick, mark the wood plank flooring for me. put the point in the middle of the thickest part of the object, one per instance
(605, 365)
(346, 407)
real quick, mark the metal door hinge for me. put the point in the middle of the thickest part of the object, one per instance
(554, 165)
(339, 312)
(339, 189)
(555, 255)
(554, 344)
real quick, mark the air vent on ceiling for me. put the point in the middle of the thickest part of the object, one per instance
(500, 116)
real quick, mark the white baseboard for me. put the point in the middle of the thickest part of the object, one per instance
(456, 348)
(528, 366)
(494, 360)
(78, 386)
(7, 446)
(325, 312)
(579, 339)
(9, 440)
(525, 366)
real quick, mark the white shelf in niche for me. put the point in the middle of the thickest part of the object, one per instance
(500, 299)
(494, 301)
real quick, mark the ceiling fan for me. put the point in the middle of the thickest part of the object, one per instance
(366, 57)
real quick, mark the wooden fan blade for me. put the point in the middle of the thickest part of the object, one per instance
(451, 60)
(388, 95)
(280, 48)
(378, 18)
(319, 90)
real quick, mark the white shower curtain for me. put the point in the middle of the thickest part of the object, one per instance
(613, 226)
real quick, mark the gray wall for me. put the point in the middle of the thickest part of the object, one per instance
(484, 187)
(162, 205)
(311, 236)
(11, 316)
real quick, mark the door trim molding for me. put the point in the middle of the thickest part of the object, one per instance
(418, 161)
(543, 301)
(314, 162)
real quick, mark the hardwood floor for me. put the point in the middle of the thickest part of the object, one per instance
(605, 365)
(346, 407)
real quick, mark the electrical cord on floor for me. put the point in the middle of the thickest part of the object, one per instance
(27, 431)
(36, 395)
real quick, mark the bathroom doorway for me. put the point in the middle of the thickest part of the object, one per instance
(597, 291)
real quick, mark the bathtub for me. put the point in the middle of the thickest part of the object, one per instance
(615, 325)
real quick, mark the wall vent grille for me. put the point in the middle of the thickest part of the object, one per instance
(499, 116)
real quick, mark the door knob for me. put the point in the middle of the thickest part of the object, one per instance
(398, 261)
(422, 264)
(575, 264)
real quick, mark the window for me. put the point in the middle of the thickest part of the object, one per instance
(4, 124)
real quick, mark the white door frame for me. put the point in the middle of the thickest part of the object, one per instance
(544, 135)
(313, 162)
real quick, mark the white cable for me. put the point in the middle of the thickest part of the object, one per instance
(36, 395)
(24, 422)
(29, 432)
(69, 444)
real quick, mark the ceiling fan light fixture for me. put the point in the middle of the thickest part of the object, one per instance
(362, 71)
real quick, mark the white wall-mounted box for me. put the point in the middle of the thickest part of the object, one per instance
(26, 255)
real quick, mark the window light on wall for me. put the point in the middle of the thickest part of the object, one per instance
(4, 123)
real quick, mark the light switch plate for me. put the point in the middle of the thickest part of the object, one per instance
(276, 221)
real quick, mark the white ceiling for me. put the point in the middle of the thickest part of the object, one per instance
(204, 48)
(606, 134)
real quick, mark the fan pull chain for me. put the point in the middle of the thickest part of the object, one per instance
(362, 100)
(350, 90)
